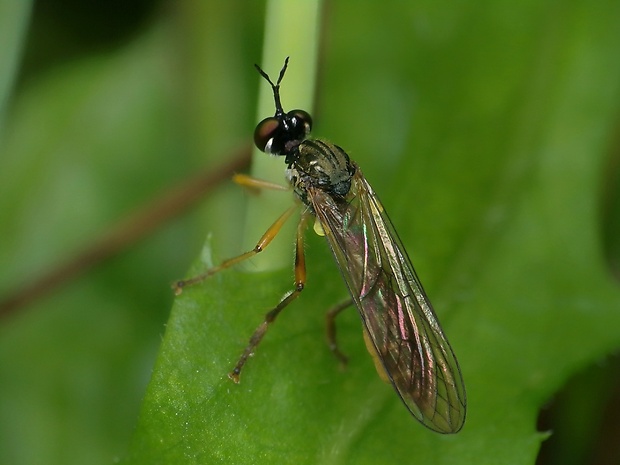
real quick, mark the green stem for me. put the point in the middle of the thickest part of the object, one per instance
(291, 29)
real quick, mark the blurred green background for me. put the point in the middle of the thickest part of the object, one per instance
(490, 131)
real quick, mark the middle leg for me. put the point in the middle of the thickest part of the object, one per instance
(300, 282)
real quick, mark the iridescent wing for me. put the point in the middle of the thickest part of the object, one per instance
(396, 313)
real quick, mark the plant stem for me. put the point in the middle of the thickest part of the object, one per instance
(291, 29)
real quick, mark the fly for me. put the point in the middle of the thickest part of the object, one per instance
(401, 329)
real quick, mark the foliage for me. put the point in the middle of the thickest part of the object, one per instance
(486, 130)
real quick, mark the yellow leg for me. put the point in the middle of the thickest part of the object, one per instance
(254, 183)
(300, 282)
(264, 241)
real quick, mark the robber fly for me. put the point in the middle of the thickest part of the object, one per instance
(400, 326)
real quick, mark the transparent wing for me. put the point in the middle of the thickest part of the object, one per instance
(396, 312)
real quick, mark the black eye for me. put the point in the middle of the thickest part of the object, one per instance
(265, 131)
(303, 119)
(279, 134)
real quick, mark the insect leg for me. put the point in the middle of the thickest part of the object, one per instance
(300, 282)
(255, 183)
(330, 320)
(264, 241)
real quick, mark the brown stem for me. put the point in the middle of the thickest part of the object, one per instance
(126, 232)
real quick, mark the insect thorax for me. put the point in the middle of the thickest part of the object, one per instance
(322, 165)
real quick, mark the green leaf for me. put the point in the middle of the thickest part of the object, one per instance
(490, 133)
(487, 129)
(87, 141)
(13, 20)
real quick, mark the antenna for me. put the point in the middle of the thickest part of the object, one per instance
(275, 87)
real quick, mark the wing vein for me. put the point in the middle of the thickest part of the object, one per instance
(393, 305)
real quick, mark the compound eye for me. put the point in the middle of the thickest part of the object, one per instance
(302, 118)
(265, 132)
